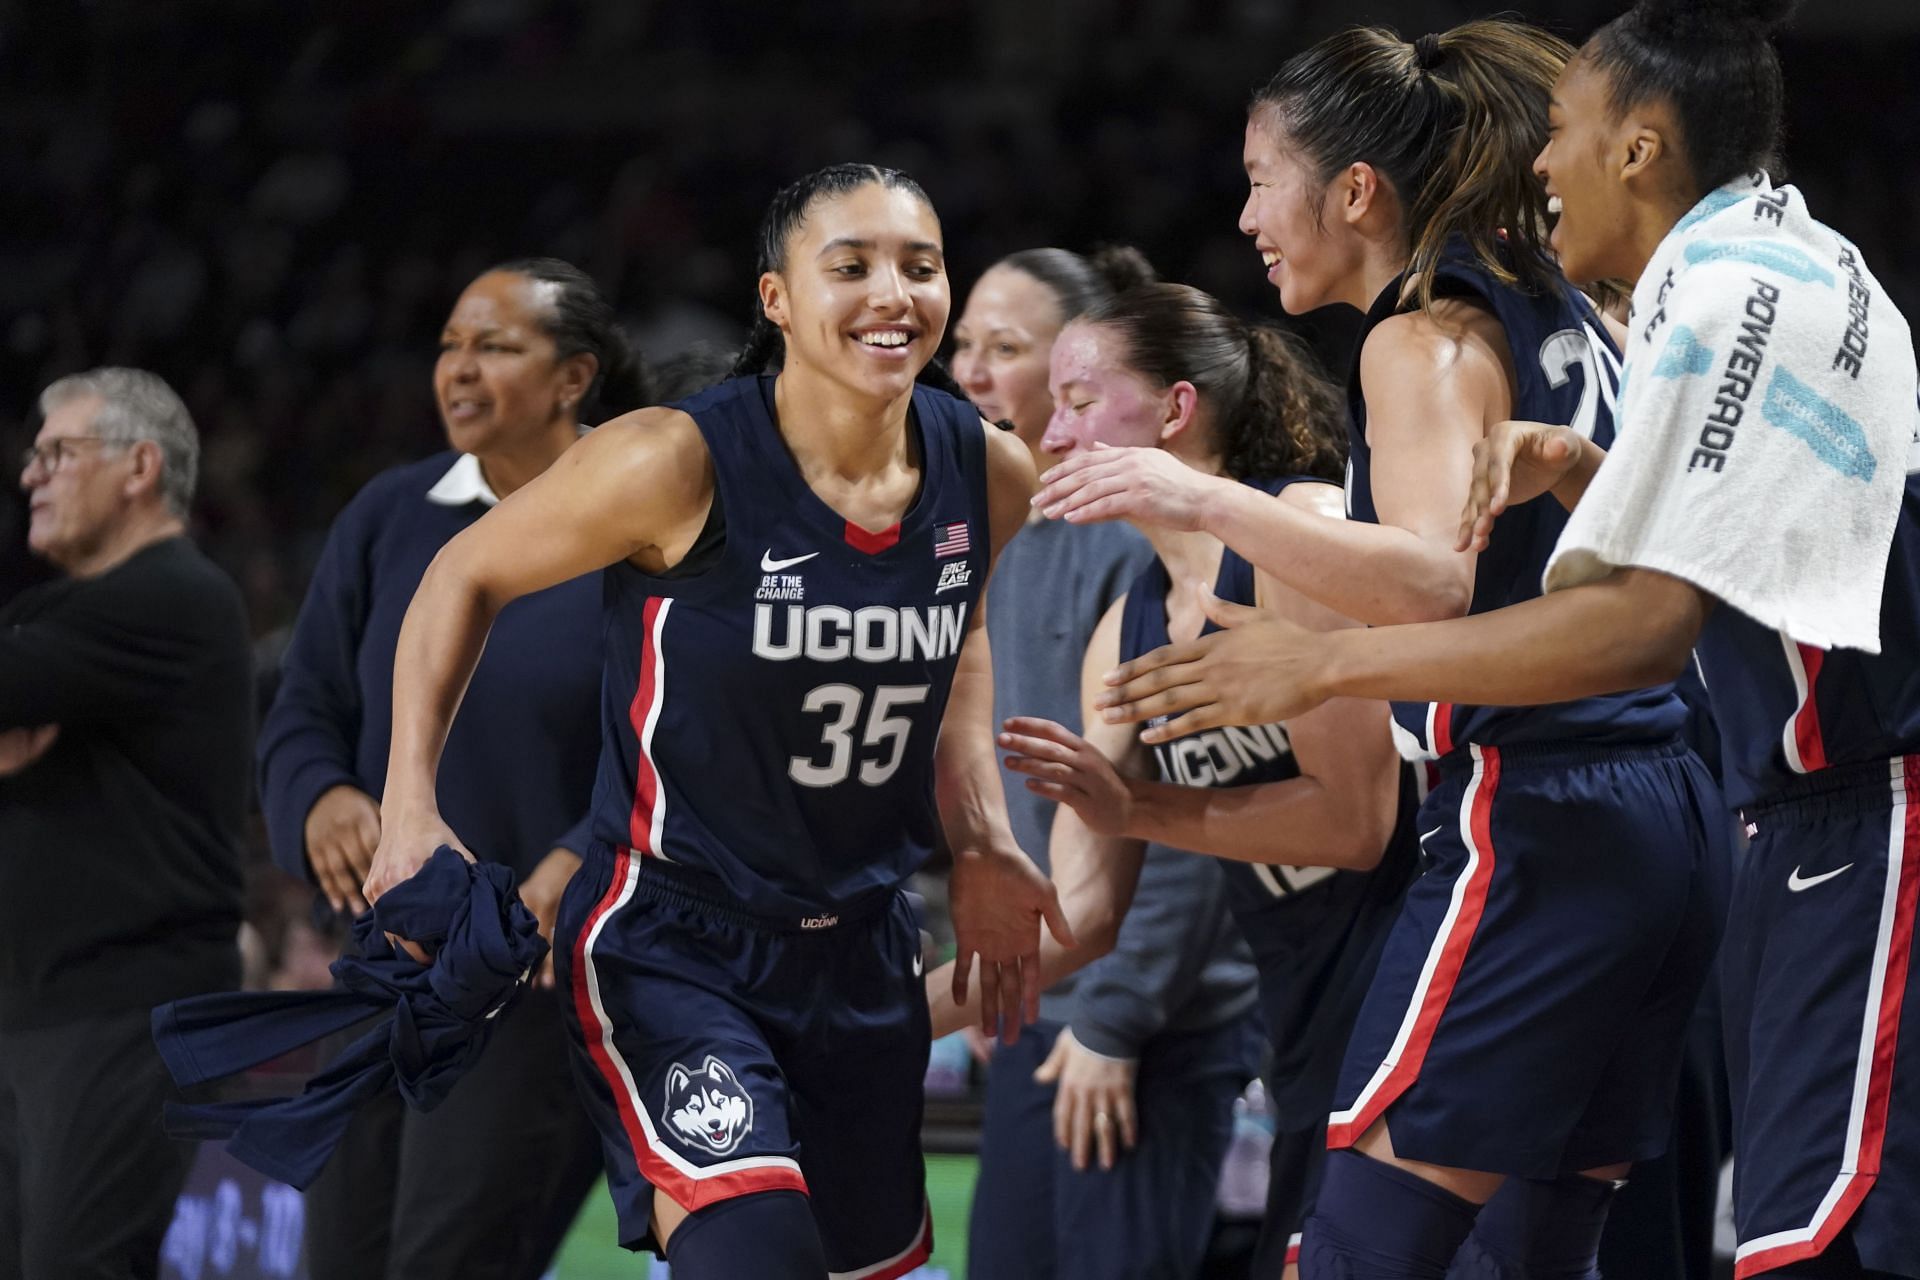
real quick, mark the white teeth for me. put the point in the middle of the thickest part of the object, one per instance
(1269, 257)
(1553, 204)
(888, 338)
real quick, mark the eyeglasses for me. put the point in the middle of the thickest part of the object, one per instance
(54, 453)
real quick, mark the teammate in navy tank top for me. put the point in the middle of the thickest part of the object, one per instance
(771, 720)
(798, 691)
(1315, 931)
(1564, 843)
(1820, 747)
(1167, 363)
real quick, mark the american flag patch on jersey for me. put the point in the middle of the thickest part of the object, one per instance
(950, 539)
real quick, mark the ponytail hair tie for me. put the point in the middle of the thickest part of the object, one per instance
(1428, 53)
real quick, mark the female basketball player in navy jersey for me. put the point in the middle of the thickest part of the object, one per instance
(1563, 842)
(1121, 1094)
(1167, 366)
(797, 700)
(1662, 127)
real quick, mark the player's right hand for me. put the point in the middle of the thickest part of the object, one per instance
(342, 831)
(1066, 768)
(407, 840)
(1514, 462)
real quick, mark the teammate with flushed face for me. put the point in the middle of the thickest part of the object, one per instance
(793, 711)
(1394, 177)
(1311, 820)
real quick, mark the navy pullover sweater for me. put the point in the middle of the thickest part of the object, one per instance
(517, 776)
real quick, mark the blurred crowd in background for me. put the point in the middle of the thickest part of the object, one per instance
(273, 204)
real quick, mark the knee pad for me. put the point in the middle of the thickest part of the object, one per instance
(769, 1235)
(1374, 1221)
(1538, 1230)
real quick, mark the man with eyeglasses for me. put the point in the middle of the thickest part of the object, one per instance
(125, 726)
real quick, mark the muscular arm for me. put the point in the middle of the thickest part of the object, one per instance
(973, 808)
(637, 488)
(1631, 629)
(1430, 394)
(1338, 812)
(1095, 875)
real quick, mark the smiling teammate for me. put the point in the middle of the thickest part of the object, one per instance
(797, 701)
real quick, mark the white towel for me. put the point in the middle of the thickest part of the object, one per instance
(1767, 417)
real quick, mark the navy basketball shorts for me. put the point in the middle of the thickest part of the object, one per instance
(1817, 975)
(722, 1055)
(1531, 1005)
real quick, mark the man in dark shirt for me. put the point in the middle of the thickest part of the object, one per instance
(125, 719)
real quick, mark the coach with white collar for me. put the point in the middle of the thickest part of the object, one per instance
(125, 721)
(485, 1185)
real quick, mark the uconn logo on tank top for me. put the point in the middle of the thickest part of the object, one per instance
(770, 716)
(1315, 932)
(1232, 756)
(1566, 370)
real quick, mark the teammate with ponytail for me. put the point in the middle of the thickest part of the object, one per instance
(1564, 842)
(1306, 817)
(796, 703)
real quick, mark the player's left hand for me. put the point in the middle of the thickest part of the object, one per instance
(21, 747)
(541, 892)
(998, 899)
(1259, 670)
(1092, 1103)
(1146, 486)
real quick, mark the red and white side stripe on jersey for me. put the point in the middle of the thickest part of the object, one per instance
(900, 1263)
(1444, 960)
(1805, 748)
(649, 800)
(1436, 742)
(690, 1185)
(1879, 1034)
(1293, 1249)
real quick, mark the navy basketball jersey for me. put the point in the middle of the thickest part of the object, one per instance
(770, 719)
(1566, 370)
(1787, 709)
(1315, 932)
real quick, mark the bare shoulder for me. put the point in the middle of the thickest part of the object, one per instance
(648, 473)
(1455, 337)
(1454, 358)
(1319, 497)
(660, 446)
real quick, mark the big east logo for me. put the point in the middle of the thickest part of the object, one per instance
(708, 1108)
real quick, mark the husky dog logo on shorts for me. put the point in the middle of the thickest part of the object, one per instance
(709, 1110)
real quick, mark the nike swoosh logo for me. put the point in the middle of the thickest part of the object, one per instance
(1796, 883)
(769, 565)
(1426, 835)
(918, 965)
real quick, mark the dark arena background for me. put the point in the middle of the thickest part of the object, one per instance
(273, 203)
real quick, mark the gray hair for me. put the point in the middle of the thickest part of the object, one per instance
(136, 405)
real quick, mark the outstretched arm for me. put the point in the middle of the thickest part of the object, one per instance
(1631, 629)
(1095, 875)
(1431, 392)
(999, 898)
(637, 488)
(1338, 812)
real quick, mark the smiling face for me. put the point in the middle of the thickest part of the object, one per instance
(1309, 260)
(1000, 348)
(862, 296)
(1581, 166)
(1097, 399)
(498, 381)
